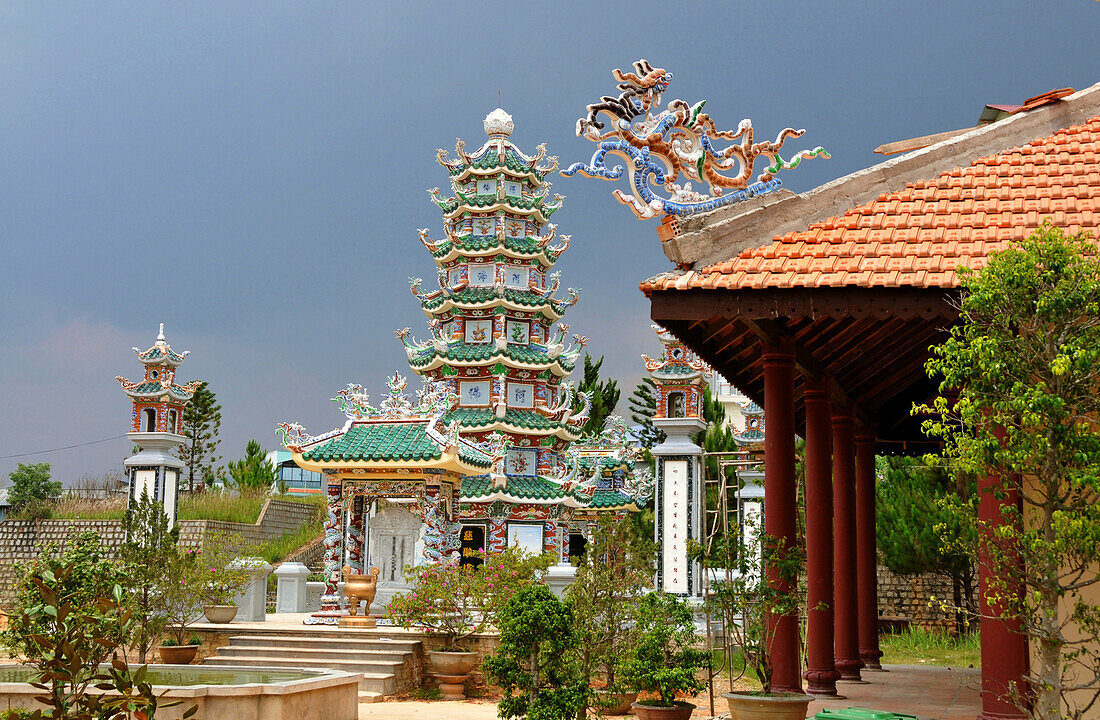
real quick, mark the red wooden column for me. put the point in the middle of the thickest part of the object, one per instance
(845, 596)
(866, 549)
(1004, 649)
(780, 500)
(821, 674)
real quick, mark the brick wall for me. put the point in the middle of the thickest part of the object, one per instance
(909, 596)
(21, 540)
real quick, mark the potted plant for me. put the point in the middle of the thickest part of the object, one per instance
(179, 601)
(456, 601)
(225, 577)
(612, 576)
(664, 660)
(747, 602)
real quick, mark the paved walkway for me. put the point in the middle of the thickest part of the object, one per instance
(930, 693)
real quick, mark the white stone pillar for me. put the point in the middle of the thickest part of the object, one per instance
(678, 506)
(290, 587)
(252, 603)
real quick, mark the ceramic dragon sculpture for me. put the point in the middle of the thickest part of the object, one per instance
(678, 142)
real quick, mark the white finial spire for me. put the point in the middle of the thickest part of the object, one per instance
(160, 335)
(498, 124)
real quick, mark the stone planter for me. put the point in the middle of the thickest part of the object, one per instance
(177, 654)
(220, 614)
(614, 703)
(679, 711)
(452, 669)
(783, 706)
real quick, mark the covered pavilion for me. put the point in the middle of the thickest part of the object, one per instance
(822, 308)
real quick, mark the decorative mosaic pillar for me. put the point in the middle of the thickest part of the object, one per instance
(551, 544)
(442, 535)
(333, 545)
(355, 535)
(497, 540)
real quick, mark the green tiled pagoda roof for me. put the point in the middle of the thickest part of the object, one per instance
(588, 462)
(479, 201)
(519, 486)
(388, 442)
(474, 243)
(677, 369)
(485, 352)
(155, 388)
(491, 159)
(608, 499)
(475, 295)
(481, 417)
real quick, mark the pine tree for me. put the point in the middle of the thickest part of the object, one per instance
(605, 395)
(149, 545)
(643, 406)
(252, 471)
(915, 510)
(202, 420)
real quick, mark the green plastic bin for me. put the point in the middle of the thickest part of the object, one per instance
(862, 714)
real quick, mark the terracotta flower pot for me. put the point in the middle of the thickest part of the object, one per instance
(679, 711)
(220, 614)
(177, 654)
(452, 669)
(781, 706)
(615, 703)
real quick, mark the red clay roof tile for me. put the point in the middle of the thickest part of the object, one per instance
(917, 236)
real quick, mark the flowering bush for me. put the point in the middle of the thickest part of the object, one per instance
(457, 601)
(226, 576)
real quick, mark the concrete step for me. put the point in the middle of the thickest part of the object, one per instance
(371, 697)
(379, 660)
(406, 646)
(373, 681)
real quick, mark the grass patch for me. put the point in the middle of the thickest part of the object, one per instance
(276, 550)
(922, 646)
(243, 508)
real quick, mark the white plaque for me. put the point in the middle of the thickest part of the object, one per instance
(474, 392)
(674, 527)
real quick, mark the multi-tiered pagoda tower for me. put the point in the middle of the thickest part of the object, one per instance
(498, 340)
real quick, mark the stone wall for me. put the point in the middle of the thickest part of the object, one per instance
(909, 596)
(21, 540)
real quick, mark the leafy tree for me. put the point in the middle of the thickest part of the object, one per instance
(916, 508)
(145, 553)
(612, 575)
(605, 395)
(253, 471)
(643, 406)
(534, 663)
(69, 636)
(81, 574)
(1020, 398)
(30, 484)
(202, 420)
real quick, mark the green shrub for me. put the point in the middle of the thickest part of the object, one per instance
(664, 660)
(535, 663)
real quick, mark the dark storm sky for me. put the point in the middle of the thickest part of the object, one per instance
(253, 174)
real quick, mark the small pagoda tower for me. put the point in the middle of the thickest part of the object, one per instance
(498, 341)
(156, 424)
(681, 379)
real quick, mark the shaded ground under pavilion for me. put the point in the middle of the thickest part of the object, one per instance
(822, 308)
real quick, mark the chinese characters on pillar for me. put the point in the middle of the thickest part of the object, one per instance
(675, 531)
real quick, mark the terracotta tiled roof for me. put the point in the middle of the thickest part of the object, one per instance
(918, 236)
